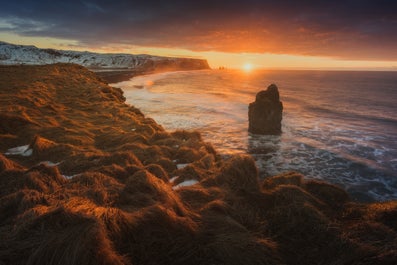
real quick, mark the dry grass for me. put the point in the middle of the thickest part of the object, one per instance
(120, 208)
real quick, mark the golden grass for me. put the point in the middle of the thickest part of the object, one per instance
(120, 207)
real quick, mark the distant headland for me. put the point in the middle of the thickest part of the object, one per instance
(113, 67)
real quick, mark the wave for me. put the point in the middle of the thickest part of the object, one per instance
(317, 160)
(351, 115)
(325, 134)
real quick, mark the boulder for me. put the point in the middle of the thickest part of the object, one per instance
(265, 113)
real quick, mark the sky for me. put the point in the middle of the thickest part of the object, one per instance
(349, 34)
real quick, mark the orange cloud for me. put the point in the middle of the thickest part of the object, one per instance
(355, 29)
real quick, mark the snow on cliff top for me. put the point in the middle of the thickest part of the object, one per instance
(11, 54)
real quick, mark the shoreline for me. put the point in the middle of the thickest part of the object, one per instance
(116, 76)
(354, 169)
(98, 182)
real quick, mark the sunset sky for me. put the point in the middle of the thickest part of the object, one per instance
(349, 34)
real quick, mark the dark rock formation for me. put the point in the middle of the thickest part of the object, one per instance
(265, 113)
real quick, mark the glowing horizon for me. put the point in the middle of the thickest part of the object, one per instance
(215, 59)
(247, 67)
(268, 34)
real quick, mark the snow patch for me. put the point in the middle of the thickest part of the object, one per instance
(180, 166)
(186, 183)
(172, 180)
(23, 150)
(69, 177)
(11, 54)
(49, 163)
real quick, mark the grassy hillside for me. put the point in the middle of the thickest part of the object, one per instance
(94, 181)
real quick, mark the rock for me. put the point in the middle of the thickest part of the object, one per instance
(265, 113)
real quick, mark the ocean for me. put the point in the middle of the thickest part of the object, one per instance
(338, 126)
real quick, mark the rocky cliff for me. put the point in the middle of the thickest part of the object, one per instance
(11, 54)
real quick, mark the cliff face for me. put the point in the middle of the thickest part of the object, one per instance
(87, 179)
(19, 54)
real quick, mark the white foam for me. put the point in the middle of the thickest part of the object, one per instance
(378, 152)
(322, 145)
(186, 183)
(23, 150)
(143, 81)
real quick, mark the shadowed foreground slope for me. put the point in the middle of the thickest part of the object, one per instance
(96, 182)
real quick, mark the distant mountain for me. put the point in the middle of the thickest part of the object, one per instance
(11, 54)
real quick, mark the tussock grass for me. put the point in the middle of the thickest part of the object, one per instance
(118, 206)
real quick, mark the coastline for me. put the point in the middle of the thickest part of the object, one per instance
(116, 76)
(130, 200)
(112, 76)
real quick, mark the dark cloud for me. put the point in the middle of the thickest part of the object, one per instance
(349, 29)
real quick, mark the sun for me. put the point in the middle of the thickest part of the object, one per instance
(247, 67)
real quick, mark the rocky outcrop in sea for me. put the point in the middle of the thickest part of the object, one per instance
(265, 114)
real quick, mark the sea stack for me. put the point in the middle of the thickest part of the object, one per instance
(265, 113)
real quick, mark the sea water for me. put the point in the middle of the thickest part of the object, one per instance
(338, 126)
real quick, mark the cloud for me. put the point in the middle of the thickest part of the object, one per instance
(349, 29)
